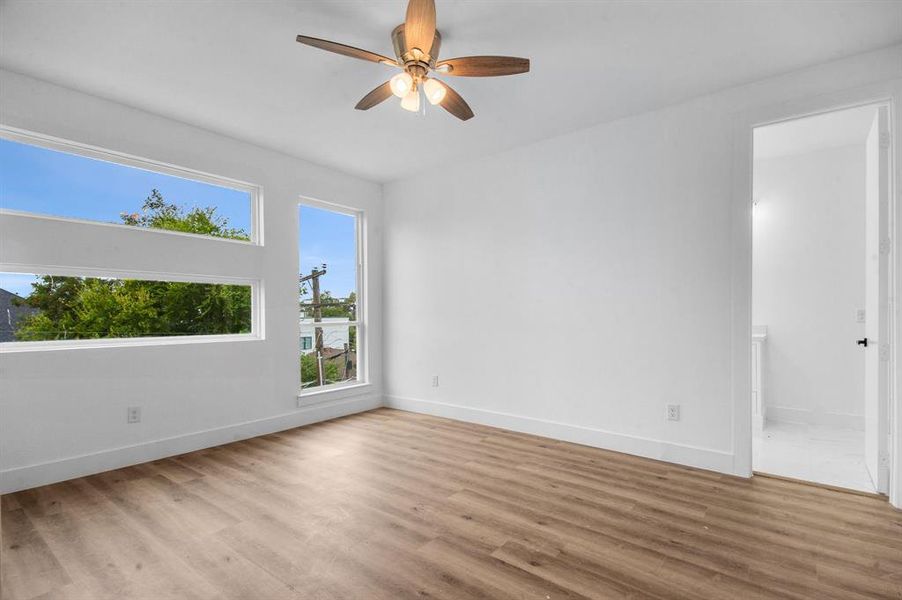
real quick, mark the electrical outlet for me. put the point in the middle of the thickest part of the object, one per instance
(134, 414)
(860, 316)
(435, 381)
(673, 412)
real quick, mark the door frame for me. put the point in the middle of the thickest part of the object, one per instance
(744, 122)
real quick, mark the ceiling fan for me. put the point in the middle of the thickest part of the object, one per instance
(417, 43)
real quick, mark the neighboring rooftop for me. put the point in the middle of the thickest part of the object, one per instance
(11, 312)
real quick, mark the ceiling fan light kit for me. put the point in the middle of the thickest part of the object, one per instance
(434, 91)
(411, 101)
(401, 84)
(417, 43)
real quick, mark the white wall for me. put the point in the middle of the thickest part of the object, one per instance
(619, 238)
(620, 235)
(808, 282)
(193, 395)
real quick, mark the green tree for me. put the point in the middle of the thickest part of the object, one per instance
(159, 214)
(308, 369)
(87, 307)
(330, 305)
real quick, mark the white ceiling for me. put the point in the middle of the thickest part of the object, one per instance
(829, 130)
(234, 67)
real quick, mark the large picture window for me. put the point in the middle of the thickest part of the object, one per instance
(40, 178)
(73, 299)
(329, 297)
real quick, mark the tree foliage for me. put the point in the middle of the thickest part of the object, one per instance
(89, 307)
(338, 307)
(159, 214)
(331, 306)
(331, 371)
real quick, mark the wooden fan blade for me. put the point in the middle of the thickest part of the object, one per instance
(483, 66)
(380, 94)
(419, 26)
(454, 104)
(345, 50)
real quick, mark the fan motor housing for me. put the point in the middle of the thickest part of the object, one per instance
(417, 61)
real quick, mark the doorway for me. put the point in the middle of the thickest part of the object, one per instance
(820, 283)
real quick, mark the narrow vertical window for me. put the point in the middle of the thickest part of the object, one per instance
(329, 298)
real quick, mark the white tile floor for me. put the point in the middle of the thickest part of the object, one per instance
(816, 453)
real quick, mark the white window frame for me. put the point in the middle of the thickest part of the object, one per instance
(314, 395)
(256, 332)
(254, 192)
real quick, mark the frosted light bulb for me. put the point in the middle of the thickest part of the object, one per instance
(411, 101)
(401, 84)
(435, 91)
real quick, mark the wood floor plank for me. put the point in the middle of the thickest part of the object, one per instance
(389, 504)
(29, 566)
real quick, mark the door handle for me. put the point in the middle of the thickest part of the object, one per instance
(863, 342)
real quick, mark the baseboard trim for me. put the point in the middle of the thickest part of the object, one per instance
(789, 414)
(691, 456)
(22, 478)
(824, 486)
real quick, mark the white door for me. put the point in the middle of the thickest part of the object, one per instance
(876, 280)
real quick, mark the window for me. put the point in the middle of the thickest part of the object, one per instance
(51, 178)
(329, 296)
(64, 298)
(42, 308)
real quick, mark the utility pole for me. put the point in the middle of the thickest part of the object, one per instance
(317, 318)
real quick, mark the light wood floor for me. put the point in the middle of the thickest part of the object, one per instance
(388, 504)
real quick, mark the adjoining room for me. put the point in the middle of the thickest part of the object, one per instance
(462, 300)
(817, 311)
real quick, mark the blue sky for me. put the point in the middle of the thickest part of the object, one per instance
(48, 182)
(329, 237)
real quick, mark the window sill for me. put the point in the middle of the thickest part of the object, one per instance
(334, 392)
(121, 226)
(15, 347)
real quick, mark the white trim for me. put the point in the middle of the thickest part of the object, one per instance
(363, 305)
(328, 393)
(21, 478)
(50, 142)
(257, 307)
(63, 271)
(682, 454)
(890, 93)
(144, 230)
(330, 324)
(346, 209)
(82, 344)
(804, 416)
